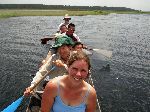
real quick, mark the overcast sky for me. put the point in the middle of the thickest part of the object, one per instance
(134, 4)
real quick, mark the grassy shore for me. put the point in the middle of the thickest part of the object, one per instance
(17, 13)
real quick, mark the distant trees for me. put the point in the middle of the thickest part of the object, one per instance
(61, 7)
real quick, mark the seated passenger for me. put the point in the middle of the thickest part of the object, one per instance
(78, 46)
(70, 92)
(70, 33)
(66, 22)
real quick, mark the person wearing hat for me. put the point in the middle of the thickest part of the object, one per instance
(66, 19)
(59, 59)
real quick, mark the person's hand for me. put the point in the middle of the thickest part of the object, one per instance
(28, 92)
(42, 63)
(58, 63)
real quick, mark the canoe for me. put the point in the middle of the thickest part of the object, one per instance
(98, 109)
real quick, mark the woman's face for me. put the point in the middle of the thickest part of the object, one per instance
(78, 71)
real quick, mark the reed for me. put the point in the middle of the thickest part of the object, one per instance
(16, 13)
(19, 12)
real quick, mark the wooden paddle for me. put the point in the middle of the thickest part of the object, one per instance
(105, 53)
(51, 37)
(47, 38)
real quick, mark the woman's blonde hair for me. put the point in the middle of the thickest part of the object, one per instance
(80, 55)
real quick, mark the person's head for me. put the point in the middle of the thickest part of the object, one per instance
(63, 28)
(63, 45)
(78, 66)
(67, 18)
(78, 46)
(71, 28)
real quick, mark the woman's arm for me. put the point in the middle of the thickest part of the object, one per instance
(91, 101)
(48, 96)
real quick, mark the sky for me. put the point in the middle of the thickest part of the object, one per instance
(143, 5)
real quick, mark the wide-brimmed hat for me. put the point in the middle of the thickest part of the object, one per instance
(62, 40)
(67, 17)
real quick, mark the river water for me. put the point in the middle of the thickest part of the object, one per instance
(123, 88)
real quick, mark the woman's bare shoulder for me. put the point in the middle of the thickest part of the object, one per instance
(92, 91)
(52, 86)
(54, 82)
(91, 100)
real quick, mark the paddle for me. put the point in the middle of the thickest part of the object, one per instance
(15, 105)
(51, 37)
(47, 38)
(106, 53)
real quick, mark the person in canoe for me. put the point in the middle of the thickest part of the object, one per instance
(78, 46)
(70, 33)
(70, 92)
(70, 27)
(62, 46)
(66, 22)
(63, 30)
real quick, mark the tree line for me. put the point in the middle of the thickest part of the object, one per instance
(61, 7)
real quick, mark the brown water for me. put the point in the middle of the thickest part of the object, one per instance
(123, 88)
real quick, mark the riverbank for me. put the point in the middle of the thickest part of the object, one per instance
(16, 13)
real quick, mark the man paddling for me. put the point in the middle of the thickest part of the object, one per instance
(62, 47)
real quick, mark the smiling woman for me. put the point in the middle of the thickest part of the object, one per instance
(71, 92)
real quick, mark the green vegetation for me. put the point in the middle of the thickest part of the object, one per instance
(15, 13)
(128, 12)
(15, 10)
